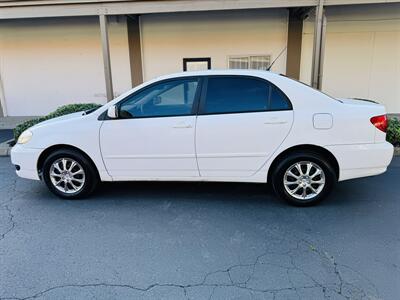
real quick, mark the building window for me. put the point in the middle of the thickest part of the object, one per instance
(256, 62)
(197, 64)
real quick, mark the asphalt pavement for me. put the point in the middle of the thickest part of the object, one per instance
(199, 241)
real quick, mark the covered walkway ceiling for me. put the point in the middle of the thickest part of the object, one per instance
(63, 8)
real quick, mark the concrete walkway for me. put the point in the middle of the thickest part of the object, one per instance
(6, 135)
(7, 124)
(11, 122)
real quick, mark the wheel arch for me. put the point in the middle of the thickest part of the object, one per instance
(45, 153)
(305, 148)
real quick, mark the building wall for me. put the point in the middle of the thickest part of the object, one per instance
(362, 57)
(45, 63)
(168, 38)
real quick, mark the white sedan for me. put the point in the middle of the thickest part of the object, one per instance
(229, 126)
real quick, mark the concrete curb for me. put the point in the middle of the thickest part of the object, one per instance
(5, 148)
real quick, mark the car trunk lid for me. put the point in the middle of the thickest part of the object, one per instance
(365, 111)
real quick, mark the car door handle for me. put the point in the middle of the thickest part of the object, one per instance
(183, 125)
(275, 121)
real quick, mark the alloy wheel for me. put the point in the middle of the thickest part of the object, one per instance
(304, 180)
(67, 175)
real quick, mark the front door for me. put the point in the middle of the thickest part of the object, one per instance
(153, 137)
(242, 120)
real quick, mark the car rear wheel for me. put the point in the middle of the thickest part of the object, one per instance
(69, 174)
(303, 179)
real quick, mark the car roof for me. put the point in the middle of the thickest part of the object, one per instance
(237, 72)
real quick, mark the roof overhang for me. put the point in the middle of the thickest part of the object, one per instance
(65, 8)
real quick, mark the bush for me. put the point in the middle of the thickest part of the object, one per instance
(393, 132)
(61, 111)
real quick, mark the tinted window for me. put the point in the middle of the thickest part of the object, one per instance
(236, 94)
(168, 98)
(278, 100)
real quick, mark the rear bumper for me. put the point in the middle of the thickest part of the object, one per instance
(362, 160)
(25, 159)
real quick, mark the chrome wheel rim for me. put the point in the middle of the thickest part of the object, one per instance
(304, 180)
(67, 175)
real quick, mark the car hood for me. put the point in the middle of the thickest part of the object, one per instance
(59, 119)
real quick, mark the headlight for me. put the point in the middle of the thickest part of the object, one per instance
(25, 137)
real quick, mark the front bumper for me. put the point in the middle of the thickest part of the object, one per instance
(361, 160)
(25, 159)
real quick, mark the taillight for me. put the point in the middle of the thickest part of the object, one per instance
(380, 122)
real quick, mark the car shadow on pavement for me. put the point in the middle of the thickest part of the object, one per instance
(261, 195)
(352, 192)
(207, 191)
(348, 193)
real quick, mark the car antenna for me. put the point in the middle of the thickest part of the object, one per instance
(270, 66)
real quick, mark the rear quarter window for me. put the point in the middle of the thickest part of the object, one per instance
(278, 100)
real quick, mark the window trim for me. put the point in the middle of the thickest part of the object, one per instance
(184, 78)
(201, 110)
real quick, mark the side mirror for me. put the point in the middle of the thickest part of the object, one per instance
(112, 112)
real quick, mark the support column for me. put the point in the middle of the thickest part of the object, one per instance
(3, 111)
(135, 50)
(105, 45)
(295, 36)
(319, 41)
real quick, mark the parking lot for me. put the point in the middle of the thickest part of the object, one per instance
(199, 241)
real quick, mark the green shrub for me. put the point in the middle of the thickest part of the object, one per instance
(393, 132)
(61, 111)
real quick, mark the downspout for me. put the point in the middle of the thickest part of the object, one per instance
(319, 46)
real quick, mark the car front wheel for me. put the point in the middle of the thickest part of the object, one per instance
(303, 179)
(69, 174)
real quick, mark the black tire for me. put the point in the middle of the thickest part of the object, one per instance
(90, 176)
(292, 160)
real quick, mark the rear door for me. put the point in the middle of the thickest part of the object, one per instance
(242, 120)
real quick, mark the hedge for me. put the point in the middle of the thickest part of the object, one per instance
(393, 131)
(61, 111)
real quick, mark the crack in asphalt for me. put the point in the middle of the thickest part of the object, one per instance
(338, 289)
(5, 206)
(10, 220)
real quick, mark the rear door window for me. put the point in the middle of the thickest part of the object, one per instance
(239, 94)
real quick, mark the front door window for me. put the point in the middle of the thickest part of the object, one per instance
(169, 98)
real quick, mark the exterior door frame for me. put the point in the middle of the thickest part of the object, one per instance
(197, 59)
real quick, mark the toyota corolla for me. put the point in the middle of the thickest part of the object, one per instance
(228, 126)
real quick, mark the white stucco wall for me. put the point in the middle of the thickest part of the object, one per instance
(168, 38)
(45, 63)
(362, 57)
